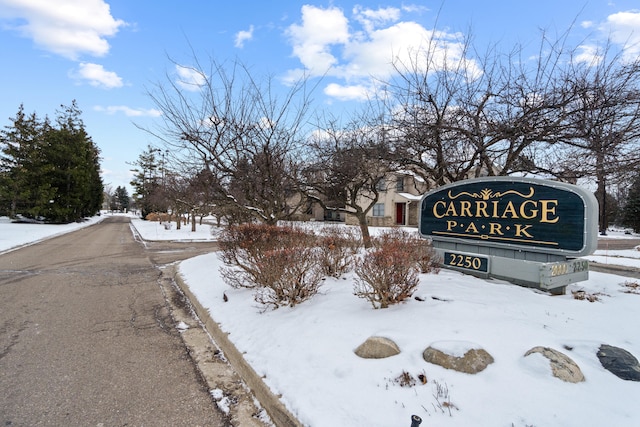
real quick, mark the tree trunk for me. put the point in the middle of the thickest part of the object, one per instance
(364, 229)
(601, 193)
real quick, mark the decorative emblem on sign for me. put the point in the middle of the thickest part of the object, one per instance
(486, 194)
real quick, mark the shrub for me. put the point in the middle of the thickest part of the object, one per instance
(245, 246)
(280, 263)
(386, 275)
(290, 276)
(417, 249)
(338, 245)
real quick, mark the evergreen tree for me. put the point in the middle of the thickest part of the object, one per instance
(23, 187)
(147, 183)
(631, 211)
(121, 199)
(50, 172)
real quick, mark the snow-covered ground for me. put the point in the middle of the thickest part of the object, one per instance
(13, 235)
(306, 353)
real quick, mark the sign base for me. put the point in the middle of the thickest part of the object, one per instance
(533, 270)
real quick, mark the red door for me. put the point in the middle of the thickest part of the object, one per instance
(400, 213)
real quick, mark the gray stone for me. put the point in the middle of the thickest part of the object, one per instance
(619, 362)
(473, 361)
(562, 366)
(377, 348)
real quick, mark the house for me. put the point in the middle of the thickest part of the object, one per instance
(398, 202)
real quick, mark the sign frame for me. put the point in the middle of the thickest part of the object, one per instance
(439, 202)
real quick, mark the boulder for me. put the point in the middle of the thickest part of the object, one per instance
(619, 362)
(562, 366)
(377, 348)
(473, 360)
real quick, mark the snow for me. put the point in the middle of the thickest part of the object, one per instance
(306, 353)
(14, 235)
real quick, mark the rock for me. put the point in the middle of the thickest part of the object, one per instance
(619, 362)
(377, 348)
(473, 361)
(562, 366)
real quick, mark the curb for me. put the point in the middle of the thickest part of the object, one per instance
(278, 413)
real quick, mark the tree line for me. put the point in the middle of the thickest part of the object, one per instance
(256, 153)
(49, 171)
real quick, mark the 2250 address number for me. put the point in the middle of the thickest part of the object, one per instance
(468, 262)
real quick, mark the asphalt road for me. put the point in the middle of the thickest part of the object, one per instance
(617, 244)
(86, 338)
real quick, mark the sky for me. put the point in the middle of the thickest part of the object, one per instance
(108, 55)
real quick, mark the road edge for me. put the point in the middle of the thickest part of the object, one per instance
(276, 410)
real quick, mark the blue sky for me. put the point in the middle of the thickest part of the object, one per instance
(106, 54)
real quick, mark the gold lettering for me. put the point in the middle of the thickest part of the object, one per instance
(465, 208)
(547, 211)
(471, 228)
(496, 229)
(451, 210)
(511, 210)
(451, 225)
(495, 209)
(523, 210)
(481, 209)
(522, 231)
(435, 208)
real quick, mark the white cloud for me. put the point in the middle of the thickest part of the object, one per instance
(243, 36)
(586, 24)
(128, 111)
(189, 78)
(624, 30)
(68, 28)
(588, 54)
(371, 19)
(348, 93)
(97, 76)
(312, 40)
(364, 49)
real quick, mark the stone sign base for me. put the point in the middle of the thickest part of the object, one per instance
(550, 273)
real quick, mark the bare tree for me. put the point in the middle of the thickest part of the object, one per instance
(242, 131)
(470, 114)
(604, 142)
(346, 167)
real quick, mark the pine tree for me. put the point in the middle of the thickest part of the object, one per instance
(147, 182)
(50, 172)
(121, 198)
(23, 187)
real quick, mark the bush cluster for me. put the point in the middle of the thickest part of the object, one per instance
(285, 265)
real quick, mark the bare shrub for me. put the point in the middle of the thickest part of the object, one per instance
(386, 275)
(244, 246)
(338, 245)
(280, 263)
(416, 248)
(290, 276)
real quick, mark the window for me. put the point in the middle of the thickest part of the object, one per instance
(381, 185)
(378, 209)
(400, 183)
